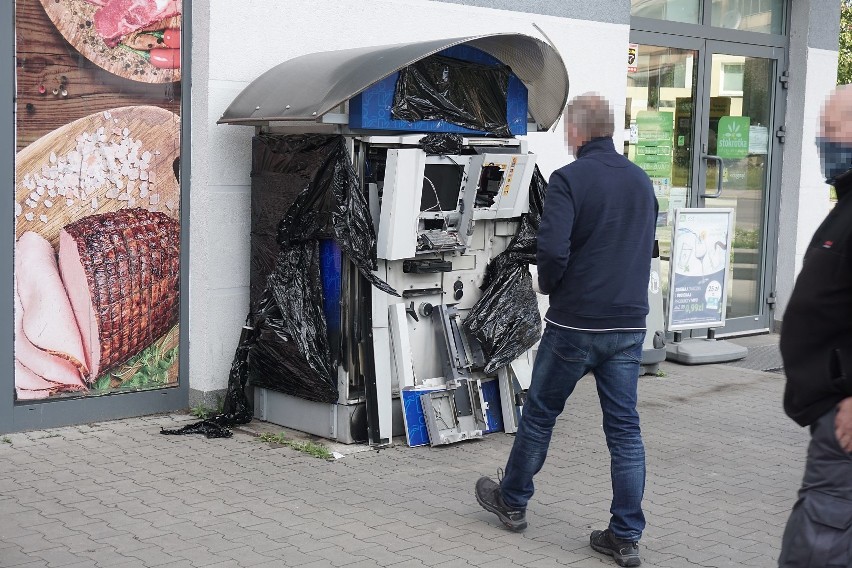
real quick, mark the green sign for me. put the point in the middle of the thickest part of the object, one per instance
(732, 137)
(654, 143)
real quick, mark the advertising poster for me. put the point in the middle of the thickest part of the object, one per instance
(632, 56)
(97, 196)
(699, 266)
(655, 131)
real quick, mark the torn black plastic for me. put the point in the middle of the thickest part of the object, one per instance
(282, 168)
(292, 353)
(505, 320)
(468, 94)
(333, 207)
(207, 427)
(442, 144)
(237, 408)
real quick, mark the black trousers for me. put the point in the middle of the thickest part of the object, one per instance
(819, 531)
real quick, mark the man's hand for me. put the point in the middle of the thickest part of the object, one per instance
(843, 424)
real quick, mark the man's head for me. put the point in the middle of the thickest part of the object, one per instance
(587, 116)
(835, 134)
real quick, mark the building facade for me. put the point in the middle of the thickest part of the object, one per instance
(719, 101)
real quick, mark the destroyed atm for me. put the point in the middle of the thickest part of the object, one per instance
(394, 211)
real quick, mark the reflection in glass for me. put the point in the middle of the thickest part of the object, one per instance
(739, 134)
(764, 16)
(658, 126)
(671, 10)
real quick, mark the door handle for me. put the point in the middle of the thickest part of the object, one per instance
(718, 160)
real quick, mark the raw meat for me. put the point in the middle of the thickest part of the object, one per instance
(121, 271)
(50, 367)
(48, 320)
(118, 18)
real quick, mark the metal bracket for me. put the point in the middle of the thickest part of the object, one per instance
(781, 134)
(784, 79)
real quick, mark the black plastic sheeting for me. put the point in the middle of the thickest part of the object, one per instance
(442, 143)
(292, 352)
(506, 320)
(333, 207)
(237, 408)
(209, 428)
(468, 94)
(282, 167)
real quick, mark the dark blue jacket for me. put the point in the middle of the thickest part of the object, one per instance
(596, 240)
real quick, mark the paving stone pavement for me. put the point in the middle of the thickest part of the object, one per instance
(724, 464)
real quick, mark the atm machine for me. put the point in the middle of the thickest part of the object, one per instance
(433, 246)
(407, 366)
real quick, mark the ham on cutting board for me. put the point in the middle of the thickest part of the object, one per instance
(121, 271)
(48, 320)
(61, 372)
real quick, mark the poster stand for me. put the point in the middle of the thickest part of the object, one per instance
(698, 285)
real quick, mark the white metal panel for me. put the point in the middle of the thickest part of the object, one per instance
(384, 396)
(397, 238)
(400, 342)
(379, 299)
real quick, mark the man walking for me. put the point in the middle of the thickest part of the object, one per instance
(594, 258)
(816, 346)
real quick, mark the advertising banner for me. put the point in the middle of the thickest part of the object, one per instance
(97, 197)
(701, 244)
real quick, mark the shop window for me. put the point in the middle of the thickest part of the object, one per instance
(764, 16)
(732, 79)
(671, 10)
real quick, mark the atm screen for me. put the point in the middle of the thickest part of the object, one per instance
(441, 187)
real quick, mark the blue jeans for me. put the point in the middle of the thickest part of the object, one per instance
(564, 357)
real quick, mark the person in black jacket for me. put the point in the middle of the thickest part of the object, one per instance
(816, 347)
(594, 258)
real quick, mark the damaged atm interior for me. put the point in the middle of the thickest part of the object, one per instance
(395, 204)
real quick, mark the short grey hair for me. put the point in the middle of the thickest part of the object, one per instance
(591, 114)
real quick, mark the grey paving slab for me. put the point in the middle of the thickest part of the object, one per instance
(724, 464)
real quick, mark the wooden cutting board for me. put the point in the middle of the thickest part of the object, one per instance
(49, 166)
(75, 21)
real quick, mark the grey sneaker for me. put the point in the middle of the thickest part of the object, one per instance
(488, 495)
(625, 552)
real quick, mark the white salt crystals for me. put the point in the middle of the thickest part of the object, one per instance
(106, 164)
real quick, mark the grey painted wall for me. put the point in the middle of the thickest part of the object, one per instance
(610, 11)
(823, 17)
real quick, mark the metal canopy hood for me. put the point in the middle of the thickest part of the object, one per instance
(309, 86)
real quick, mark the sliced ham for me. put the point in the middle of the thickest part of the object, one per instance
(29, 386)
(118, 18)
(50, 367)
(47, 320)
(121, 271)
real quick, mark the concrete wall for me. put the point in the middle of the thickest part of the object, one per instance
(233, 48)
(814, 28)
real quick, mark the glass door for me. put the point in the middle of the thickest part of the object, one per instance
(735, 169)
(700, 119)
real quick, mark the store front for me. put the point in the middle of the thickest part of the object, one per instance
(705, 114)
(709, 109)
